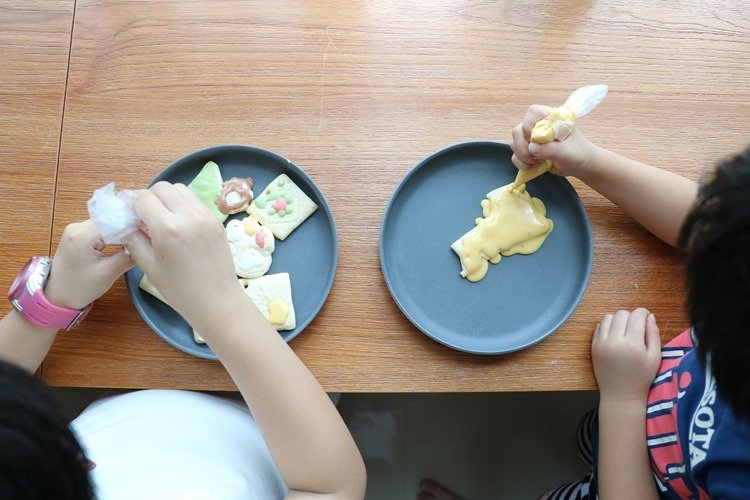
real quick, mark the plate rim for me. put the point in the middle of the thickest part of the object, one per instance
(210, 355)
(414, 321)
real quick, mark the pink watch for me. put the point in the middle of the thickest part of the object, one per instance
(27, 296)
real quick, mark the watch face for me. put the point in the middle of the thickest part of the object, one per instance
(21, 279)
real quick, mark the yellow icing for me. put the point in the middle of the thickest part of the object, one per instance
(251, 225)
(278, 312)
(513, 222)
(544, 130)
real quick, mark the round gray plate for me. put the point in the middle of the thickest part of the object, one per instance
(524, 298)
(309, 254)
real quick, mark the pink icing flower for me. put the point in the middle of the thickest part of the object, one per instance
(260, 238)
(279, 204)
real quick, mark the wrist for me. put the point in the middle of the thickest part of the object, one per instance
(623, 402)
(590, 162)
(20, 322)
(210, 315)
(57, 295)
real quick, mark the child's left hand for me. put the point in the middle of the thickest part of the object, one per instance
(81, 272)
(626, 352)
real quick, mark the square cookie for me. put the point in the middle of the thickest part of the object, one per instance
(282, 206)
(272, 294)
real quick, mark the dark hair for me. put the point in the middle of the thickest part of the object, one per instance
(717, 233)
(40, 457)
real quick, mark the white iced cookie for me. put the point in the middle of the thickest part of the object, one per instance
(149, 287)
(251, 245)
(272, 295)
(282, 206)
(197, 338)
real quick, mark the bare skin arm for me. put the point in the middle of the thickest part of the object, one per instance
(80, 274)
(658, 199)
(626, 351)
(188, 260)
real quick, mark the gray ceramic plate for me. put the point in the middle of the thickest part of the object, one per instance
(524, 298)
(309, 254)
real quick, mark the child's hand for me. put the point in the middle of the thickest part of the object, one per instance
(187, 256)
(626, 351)
(569, 155)
(81, 272)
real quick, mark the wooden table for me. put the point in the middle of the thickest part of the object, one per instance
(34, 44)
(356, 93)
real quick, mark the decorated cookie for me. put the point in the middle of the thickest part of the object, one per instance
(207, 186)
(149, 287)
(197, 337)
(272, 295)
(282, 206)
(236, 194)
(251, 245)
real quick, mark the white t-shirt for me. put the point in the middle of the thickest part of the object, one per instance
(164, 444)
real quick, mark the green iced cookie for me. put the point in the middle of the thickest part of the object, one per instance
(207, 186)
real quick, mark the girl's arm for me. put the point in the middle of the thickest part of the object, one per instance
(80, 273)
(188, 260)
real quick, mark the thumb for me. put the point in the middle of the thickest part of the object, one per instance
(653, 341)
(140, 249)
(548, 151)
(116, 264)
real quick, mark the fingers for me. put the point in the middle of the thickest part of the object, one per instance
(150, 210)
(141, 251)
(117, 264)
(173, 199)
(520, 147)
(636, 326)
(82, 234)
(653, 340)
(191, 198)
(535, 113)
(595, 336)
(605, 326)
(547, 151)
(619, 323)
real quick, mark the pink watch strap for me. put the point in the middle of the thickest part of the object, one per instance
(41, 312)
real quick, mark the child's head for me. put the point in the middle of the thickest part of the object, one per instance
(40, 457)
(717, 232)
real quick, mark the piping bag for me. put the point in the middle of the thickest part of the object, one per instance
(559, 124)
(113, 214)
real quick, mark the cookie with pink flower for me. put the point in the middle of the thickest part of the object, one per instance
(282, 206)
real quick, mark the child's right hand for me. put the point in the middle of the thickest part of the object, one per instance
(569, 156)
(185, 255)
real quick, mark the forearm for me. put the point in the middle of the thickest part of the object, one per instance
(22, 343)
(657, 199)
(624, 470)
(309, 442)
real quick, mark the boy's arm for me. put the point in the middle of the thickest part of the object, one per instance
(624, 470)
(626, 352)
(658, 199)
(80, 273)
(188, 260)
